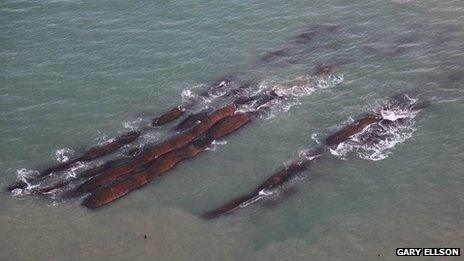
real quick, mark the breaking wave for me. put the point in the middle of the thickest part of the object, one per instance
(292, 91)
(62, 155)
(215, 145)
(194, 98)
(306, 85)
(377, 141)
(133, 124)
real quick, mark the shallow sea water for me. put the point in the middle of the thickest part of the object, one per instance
(76, 73)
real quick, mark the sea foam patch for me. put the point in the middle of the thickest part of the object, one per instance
(63, 154)
(377, 141)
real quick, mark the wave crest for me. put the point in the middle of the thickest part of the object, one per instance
(377, 141)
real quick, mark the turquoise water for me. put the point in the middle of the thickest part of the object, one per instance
(76, 73)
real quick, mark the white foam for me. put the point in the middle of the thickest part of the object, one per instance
(25, 191)
(150, 137)
(304, 86)
(215, 145)
(72, 172)
(63, 155)
(308, 154)
(280, 107)
(397, 113)
(26, 174)
(315, 137)
(385, 137)
(250, 201)
(329, 81)
(191, 96)
(382, 149)
(132, 125)
(187, 94)
(341, 150)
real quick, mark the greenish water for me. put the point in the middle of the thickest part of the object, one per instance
(75, 73)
